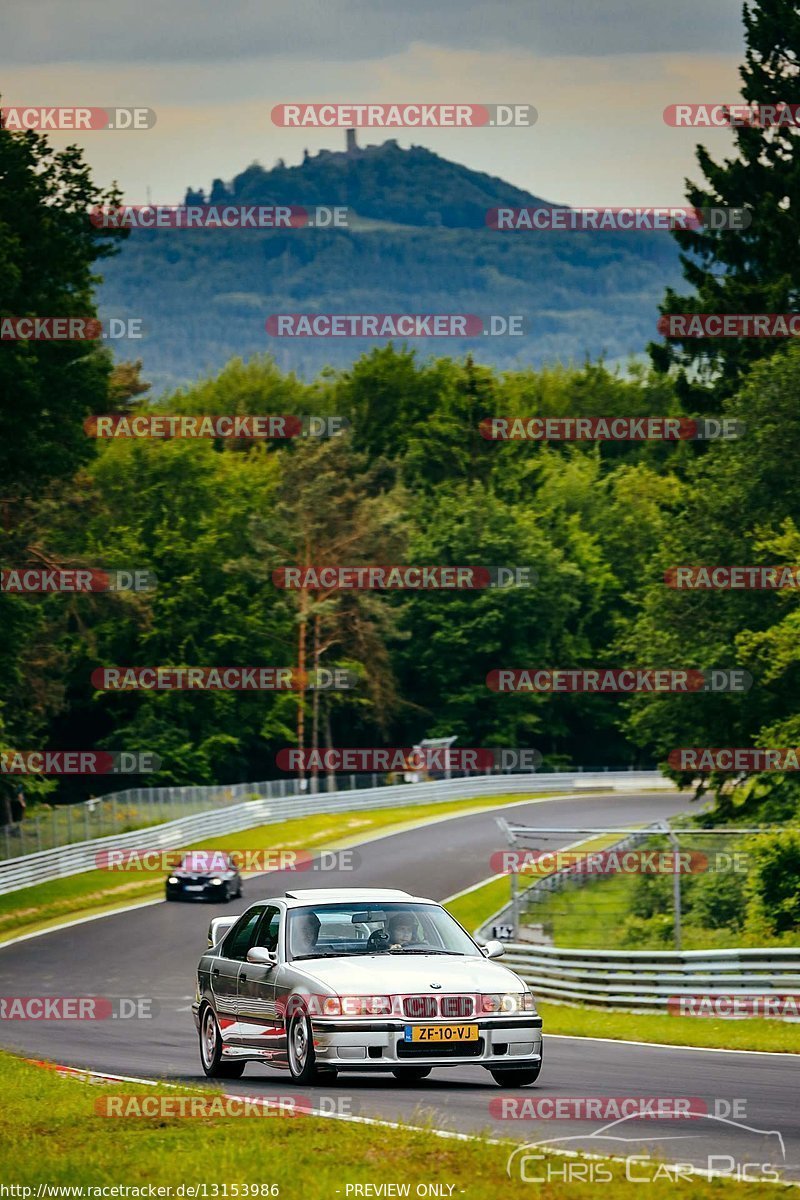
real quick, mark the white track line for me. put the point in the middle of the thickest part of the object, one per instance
(581, 1037)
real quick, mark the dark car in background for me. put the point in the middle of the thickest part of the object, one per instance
(205, 875)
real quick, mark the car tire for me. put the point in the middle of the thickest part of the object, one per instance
(225, 898)
(211, 1049)
(411, 1074)
(514, 1077)
(300, 1049)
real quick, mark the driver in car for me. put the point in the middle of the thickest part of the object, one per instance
(305, 931)
(400, 927)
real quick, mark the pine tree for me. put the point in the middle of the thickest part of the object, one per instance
(755, 270)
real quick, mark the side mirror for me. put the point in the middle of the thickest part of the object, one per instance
(494, 949)
(218, 928)
(262, 957)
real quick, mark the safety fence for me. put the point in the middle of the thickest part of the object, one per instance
(260, 809)
(659, 979)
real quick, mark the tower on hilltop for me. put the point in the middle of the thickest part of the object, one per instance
(352, 146)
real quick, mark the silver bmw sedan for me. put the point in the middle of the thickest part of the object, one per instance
(366, 979)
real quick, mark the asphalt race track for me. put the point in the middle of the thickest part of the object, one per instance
(153, 952)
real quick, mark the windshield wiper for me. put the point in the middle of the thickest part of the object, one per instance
(455, 953)
(302, 957)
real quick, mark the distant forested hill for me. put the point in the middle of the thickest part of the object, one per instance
(418, 242)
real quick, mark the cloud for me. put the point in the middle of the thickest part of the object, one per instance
(204, 31)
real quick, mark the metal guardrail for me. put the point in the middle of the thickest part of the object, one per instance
(44, 827)
(46, 865)
(647, 979)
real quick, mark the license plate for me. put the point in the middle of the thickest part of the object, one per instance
(441, 1033)
(194, 887)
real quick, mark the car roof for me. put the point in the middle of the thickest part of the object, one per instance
(345, 895)
(302, 898)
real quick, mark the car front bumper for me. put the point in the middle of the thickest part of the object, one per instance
(207, 891)
(502, 1042)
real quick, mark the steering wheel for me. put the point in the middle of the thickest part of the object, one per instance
(378, 940)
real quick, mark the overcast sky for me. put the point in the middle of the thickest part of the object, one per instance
(599, 72)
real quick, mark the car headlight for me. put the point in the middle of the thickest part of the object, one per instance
(219, 881)
(356, 1006)
(510, 1002)
(173, 879)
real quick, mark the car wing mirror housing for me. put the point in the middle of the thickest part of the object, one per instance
(218, 928)
(262, 957)
(494, 949)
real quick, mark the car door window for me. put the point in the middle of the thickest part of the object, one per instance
(268, 930)
(240, 938)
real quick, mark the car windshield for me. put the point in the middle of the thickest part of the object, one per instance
(352, 929)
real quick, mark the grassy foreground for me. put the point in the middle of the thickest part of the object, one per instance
(755, 1033)
(98, 891)
(52, 1134)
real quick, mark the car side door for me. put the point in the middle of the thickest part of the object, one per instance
(225, 972)
(260, 1024)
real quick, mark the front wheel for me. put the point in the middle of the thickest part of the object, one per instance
(211, 1050)
(410, 1074)
(515, 1078)
(300, 1043)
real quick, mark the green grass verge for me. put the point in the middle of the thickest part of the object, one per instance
(52, 1134)
(98, 891)
(475, 906)
(754, 1033)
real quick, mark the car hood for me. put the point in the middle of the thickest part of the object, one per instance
(395, 973)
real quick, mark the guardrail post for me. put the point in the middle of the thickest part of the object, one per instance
(676, 887)
(515, 904)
